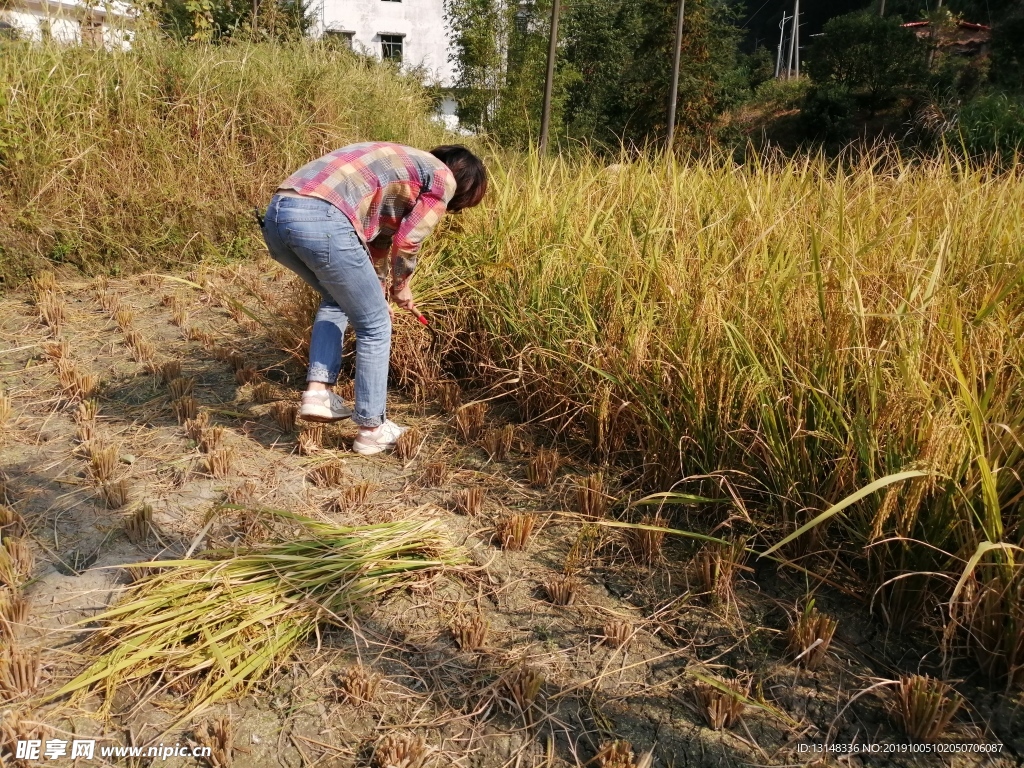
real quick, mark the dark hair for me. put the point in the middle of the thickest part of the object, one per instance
(470, 175)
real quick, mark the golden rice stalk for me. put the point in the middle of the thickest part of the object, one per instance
(720, 704)
(139, 525)
(616, 633)
(124, 317)
(219, 461)
(329, 474)
(211, 439)
(22, 560)
(11, 521)
(471, 632)
(401, 750)
(718, 565)
(9, 575)
(57, 350)
(591, 498)
(14, 613)
(515, 530)
(285, 415)
(44, 280)
(523, 685)
(181, 387)
(170, 371)
(352, 497)
(6, 408)
(646, 544)
(208, 340)
(925, 707)
(498, 442)
(469, 501)
(809, 636)
(149, 280)
(435, 473)
(179, 315)
(194, 428)
(246, 375)
(409, 444)
(263, 392)
(218, 735)
(137, 572)
(185, 408)
(616, 754)
(357, 684)
(237, 360)
(88, 410)
(20, 671)
(237, 614)
(109, 301)
(169, 300)
(311, 440)
(143, 352)
(15, 727)
(86, 432)
(449, 396)
(561, 590)
(243, 494)
(543, 467)
(51, 310)
(133, 337)
(116, 494)
(469, 420)
(102, 463)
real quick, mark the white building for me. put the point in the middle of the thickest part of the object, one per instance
(69, 21)
(412, 32)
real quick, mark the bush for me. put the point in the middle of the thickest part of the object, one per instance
(993, 125)
(873, 58)
(121, 160)
(827, 113)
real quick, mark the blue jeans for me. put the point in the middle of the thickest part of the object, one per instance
(316, 241)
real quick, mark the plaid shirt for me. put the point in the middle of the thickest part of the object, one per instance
(394, 196)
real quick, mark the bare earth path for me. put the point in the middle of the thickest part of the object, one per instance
(424, 677)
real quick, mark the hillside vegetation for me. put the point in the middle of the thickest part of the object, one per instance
(155, 156)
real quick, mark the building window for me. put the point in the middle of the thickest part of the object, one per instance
(342, 37)
(391, 47)
(92, 33)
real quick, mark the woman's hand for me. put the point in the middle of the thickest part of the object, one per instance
(403, 298)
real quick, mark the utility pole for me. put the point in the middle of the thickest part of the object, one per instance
(881, 11)
(545, 119)
(792, 39)
(796, 36)
(674, 93)
(782, 44)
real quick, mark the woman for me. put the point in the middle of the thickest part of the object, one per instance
(339, 223)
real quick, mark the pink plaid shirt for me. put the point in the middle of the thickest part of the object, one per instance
(394, 196)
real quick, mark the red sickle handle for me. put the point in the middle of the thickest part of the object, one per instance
(422, 319)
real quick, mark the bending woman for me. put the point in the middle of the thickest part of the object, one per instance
(340, 223)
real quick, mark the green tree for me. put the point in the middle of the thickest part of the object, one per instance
(875, 59)
(216, 20)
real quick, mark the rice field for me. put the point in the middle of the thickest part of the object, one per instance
(710, 464)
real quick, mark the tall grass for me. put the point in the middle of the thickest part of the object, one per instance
(787, 332)
(114, 160)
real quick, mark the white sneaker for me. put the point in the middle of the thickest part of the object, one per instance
(323, 406)
(380, 439)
